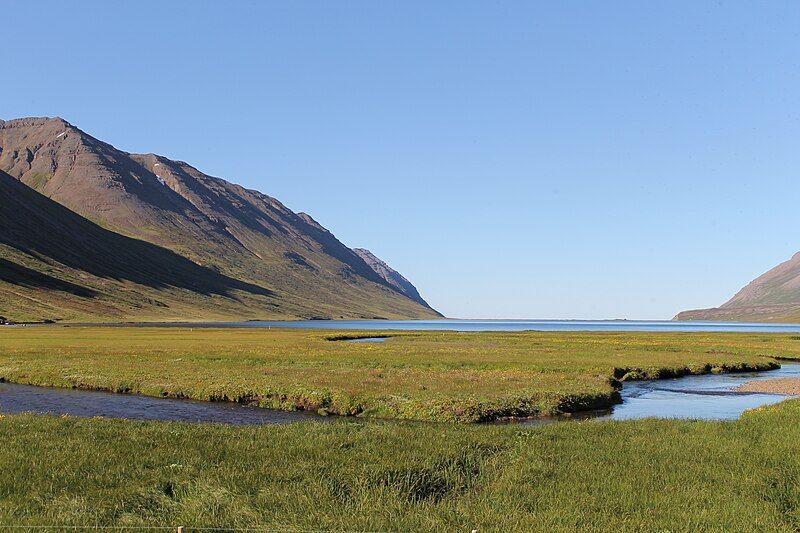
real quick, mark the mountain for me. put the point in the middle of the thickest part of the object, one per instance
(56, 264)
(233, 252)
(772, 297)
(390, 275)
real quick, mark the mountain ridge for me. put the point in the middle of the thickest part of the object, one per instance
(241, 233)
(390, 275)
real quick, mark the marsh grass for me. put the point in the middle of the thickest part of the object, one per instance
(378, 475)
(435, 376)
(636, 475)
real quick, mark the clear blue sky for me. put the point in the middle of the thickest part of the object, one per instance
(513, 159)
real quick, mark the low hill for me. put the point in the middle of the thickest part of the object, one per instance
(772, 297)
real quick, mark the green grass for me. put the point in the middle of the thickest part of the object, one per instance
(38, 180)
(414, 375)
(378, 475)
(646, 475)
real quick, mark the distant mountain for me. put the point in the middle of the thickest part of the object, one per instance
(220, 249)
(390, 275)
(772, 297)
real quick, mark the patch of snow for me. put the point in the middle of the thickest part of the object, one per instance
(161, 180)
(61, 134)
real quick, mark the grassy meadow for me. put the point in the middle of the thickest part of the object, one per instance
(384, 475)
(645, 475)
(436, 376)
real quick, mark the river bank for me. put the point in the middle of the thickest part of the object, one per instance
(790, 386)
(435, 376)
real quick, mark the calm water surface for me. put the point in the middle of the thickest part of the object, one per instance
(367, 339)
(710, 396)
(505, 325)
(16, 399)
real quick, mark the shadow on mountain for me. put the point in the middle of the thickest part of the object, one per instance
(42, 228)
(306, 225)
(20, 275)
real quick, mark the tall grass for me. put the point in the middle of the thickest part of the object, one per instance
(635, 476)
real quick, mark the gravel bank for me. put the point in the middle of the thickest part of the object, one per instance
(775, 386)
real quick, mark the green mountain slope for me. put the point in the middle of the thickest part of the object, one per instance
(55, 264)
(772, 297)
(285, 263)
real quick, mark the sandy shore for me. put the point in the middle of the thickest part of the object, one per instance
(776, 386)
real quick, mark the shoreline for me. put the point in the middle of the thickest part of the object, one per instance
(449, 324)
(787, 386)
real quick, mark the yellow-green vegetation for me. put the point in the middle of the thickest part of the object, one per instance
(412, 375)
(645, 475)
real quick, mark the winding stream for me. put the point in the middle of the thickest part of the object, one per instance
(15, 399)
(710, 396)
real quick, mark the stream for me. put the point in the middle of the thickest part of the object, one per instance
(709, 396)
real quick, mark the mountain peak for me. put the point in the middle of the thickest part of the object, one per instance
(239, 233)
(32, 122)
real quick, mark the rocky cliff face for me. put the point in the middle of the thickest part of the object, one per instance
(390, 275)
(239, 233)
(773, 296)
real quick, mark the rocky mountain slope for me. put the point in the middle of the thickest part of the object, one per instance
(772, 297)
(390, 275)
(286, 264)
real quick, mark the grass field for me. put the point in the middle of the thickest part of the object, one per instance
(645, 475)
(413, 375)
(382, 475)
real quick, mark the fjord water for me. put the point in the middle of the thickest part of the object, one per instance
(700, 397)
(505, 325)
